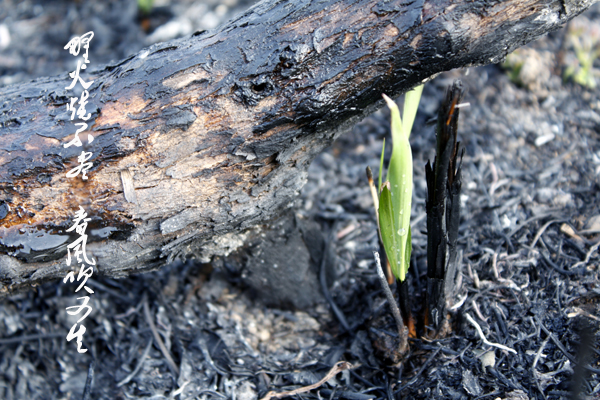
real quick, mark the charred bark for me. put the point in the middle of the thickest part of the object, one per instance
(215, 132)
(444, 181)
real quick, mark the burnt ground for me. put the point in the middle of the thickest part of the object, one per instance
(529, 236)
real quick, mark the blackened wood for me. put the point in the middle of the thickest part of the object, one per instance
(217, 130)
(404, 303)
(443, 210)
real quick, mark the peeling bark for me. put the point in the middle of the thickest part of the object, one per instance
(214, 133)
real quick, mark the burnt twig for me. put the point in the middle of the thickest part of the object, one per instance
(402, 329)
(138, 367)
(338, 367)
(414, 378)
(443, 211)
(25, 338)
(534, 370)
(89, 382)
(158, 340)
(323, 280)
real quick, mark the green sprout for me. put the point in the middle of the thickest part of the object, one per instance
(529, 68)
(583, 72)
(145, 6)
(584, 38)
(393, 205)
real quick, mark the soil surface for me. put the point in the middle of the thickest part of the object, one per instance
(529, 236)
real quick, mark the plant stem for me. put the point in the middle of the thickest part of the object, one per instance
(402, 330)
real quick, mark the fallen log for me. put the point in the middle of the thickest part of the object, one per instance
(199, 140)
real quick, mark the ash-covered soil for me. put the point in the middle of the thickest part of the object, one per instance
(529, 236)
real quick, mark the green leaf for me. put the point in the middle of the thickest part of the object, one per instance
(407, 254)
(145, 6)
(388, 229)
(411, 104)
(381, 166)
(400, 177)
(399, 163)
(397, 132)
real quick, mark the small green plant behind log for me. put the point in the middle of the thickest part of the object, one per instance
(145, 6)
(585, 42)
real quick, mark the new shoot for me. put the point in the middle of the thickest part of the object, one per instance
(392, 201)
(393, 205)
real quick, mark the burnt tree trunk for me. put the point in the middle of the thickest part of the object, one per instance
(215, 132)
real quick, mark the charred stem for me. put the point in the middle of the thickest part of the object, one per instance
(443, 212)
